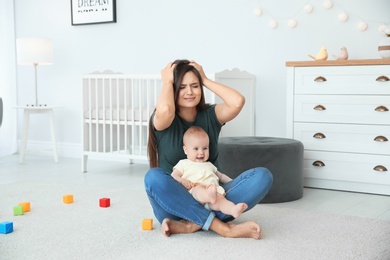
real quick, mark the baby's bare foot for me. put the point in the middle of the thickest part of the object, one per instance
(239, 209)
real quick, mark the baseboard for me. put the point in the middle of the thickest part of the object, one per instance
(64, 149)
(67, 150)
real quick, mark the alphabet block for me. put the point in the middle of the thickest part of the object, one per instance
(6, 227)
(18, 211)
(104, 202)
(25, 206)
(147, 224)
(67, 199)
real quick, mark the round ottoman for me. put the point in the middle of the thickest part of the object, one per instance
(282, 156)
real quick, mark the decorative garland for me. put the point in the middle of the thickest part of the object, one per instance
(343, 17)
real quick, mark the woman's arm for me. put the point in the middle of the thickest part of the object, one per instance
(233, 101)
(165, 107)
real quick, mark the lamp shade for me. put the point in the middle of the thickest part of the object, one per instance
(34, 51)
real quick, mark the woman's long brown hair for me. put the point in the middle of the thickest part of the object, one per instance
(182, 67)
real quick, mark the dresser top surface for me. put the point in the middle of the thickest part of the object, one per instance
(314, 63)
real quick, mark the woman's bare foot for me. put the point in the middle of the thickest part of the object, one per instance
(248, 229)
(170, 226)
(238, 209)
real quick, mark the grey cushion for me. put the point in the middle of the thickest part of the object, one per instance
(282, 156)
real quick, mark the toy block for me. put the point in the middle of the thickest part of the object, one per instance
(67, 199)
(104, 202)
(6, 227)
(25, 206)
(18, 210)
(147, 224)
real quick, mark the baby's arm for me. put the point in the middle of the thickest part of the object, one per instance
(177, 175)
(223, 178)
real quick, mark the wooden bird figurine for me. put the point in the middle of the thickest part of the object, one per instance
(321, 55)
(343, 55)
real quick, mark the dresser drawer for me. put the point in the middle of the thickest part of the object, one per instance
(342, 80)
(344, 138)
(347, 167)
(342, 109)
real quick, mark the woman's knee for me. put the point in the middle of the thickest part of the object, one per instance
(263, 175)
(153, 177)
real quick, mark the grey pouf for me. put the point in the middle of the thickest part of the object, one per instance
(282, 156)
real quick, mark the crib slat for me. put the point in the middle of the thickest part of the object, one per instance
(109, 122)
(89, 115)
(133, 129)
(125, 102)
(97, 143)
(104, 113)
(116, 106)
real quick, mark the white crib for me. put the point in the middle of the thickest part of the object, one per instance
(117, 107)
(116, 111)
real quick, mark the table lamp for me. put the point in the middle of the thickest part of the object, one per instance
(34, 51)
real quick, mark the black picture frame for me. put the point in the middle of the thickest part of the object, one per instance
(93, 12)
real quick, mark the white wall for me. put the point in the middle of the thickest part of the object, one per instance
(219, 34)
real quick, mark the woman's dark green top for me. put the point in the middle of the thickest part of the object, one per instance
(170, 140)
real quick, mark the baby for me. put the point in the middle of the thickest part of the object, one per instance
(200, 177)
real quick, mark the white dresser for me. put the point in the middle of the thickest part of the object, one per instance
(340, 111)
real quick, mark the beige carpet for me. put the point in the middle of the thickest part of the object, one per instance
(83, 230)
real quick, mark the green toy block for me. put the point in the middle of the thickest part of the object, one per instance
(6, 227)
(18, 210)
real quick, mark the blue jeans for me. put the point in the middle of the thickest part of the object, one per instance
(170, 199)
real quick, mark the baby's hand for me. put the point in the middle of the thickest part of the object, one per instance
(187, 184)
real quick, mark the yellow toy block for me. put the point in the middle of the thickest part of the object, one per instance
(147, 224)
(25, 206)
(67, 199)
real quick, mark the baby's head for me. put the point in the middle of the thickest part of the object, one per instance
(196, 144)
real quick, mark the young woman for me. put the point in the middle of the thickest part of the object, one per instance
(181, 104)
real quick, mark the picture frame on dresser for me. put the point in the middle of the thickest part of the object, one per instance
(340, 111)
(92, 12)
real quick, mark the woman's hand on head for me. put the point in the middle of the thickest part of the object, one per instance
(199, 68)
(167, 73)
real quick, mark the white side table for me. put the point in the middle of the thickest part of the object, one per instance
(26, 118)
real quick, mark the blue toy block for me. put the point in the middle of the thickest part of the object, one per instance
(6, 227)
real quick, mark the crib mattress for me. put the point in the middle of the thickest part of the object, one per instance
(122, 114)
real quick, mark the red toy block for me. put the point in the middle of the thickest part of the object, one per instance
(25, 206)
(67, 199)
(104, 202)
(147, 224)
(6, 227)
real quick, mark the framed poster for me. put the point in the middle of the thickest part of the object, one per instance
(93, 11)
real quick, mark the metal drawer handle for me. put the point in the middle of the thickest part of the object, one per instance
(320, 79)
(381, 109)
(318, 164)
(380, 168)
(382, 79)
(381, 138)
(319, 136)
(319, 107)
